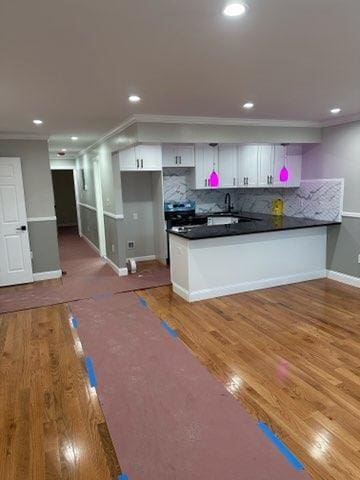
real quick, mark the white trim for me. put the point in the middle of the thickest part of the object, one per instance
(99, 207)
(113, 215)
(41, 219)
(351, 214)
(122, 272)
(22, 136)
(199, 120)
(144, 258)
(123, 125)
(47, 275)
(344, 278)
(87, 206)
(247, 286)
(90, 243)
(332, 122)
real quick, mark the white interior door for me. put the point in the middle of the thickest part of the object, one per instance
(99, 210)
(15, 258)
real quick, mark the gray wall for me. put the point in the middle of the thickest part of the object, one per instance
(89, 226)
(138, 199)
(39, 199)
(338, 156)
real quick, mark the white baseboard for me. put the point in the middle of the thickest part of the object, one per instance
(90, 243)
(145, 258)
(246, 286)
(122, 272)
(47, 275)
(343, 278)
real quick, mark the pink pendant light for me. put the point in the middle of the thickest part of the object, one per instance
(214, 179)
(284, 172)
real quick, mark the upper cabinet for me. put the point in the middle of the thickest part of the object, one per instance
(248, 166)
(228, 168)
(265, 166)
(178, 156)
(141, 158)
(206, 160)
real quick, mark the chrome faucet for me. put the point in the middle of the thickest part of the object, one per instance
(228, 202)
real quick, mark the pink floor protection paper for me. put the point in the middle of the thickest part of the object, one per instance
(87, 275)
(169, 418)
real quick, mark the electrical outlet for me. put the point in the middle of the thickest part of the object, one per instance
(112, 248)
(135, 216)
(359, 258)
(131, 244)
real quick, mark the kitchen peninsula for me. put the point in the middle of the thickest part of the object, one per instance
(248, 252)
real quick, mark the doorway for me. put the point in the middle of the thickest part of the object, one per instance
(65, 199)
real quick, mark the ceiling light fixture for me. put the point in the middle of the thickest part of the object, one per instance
(63, 149)
(38, 122)
(74, 139)
(335, 111)
(234, 9)
(248, 105)
(134, 98)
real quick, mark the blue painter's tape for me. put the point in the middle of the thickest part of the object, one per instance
(143, 302)
(123, 476)
(281, 446)
(172, 331)
(75, 322)
(91, 371)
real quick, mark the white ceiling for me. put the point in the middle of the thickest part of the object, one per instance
(73, 63)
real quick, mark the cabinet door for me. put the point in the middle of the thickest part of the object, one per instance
(293, 165)
(149, 157)
(168, 156)
(248, 166)
(206, 158)
(228, 166)
(266, 165)
(279, 162)
(127, 159)
(184, 156)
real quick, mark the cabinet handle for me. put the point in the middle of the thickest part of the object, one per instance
(271, 179)
(234, 181)
(247, 180)
(137, 163)
(206, 182)
(142, 163)
(175, 160)
(244, 180)
(180, 159)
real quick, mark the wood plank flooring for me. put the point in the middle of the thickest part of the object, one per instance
(51, 424)
(291, 355)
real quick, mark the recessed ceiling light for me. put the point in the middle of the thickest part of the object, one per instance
(248, 105)
(63, 149)
(74, 138)
(134, 98)
(234, 9)
(335, 111)
(38, 122)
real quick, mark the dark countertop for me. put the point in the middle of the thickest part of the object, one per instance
(260, 223)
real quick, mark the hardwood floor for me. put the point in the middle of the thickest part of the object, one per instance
(51, 424)
(291, 355)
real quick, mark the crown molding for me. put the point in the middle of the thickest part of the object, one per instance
(123, 125)
(187, 120)
(22, 136)
(341, 120)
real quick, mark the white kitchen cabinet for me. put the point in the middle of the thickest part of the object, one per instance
(266, 166)
(178, 156)
(291, 162)
(141, 158)
(206, 159)
(228, 170)
(248, 166)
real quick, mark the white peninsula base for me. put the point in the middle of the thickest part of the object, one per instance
(214, 267)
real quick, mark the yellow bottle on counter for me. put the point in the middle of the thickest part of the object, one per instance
(278, 207)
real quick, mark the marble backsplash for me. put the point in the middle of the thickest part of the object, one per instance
(319, 199)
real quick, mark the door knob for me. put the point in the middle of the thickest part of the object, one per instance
(22, 228)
